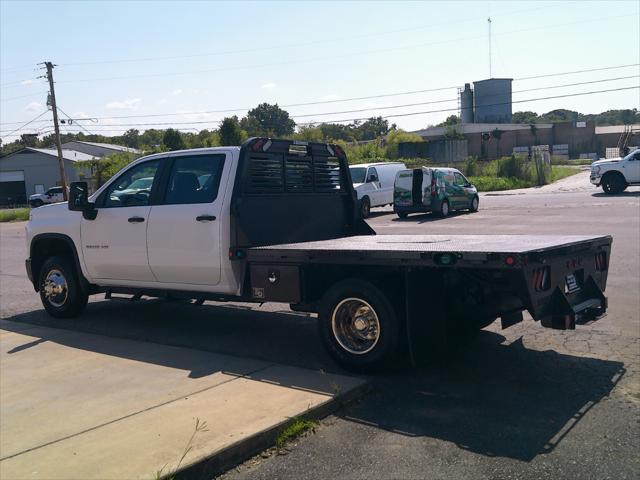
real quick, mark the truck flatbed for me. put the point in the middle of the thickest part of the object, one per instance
(422, 248)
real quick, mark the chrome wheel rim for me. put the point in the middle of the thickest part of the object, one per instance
(55, 288)
(355, 326)
(445, 208)
(474, 204)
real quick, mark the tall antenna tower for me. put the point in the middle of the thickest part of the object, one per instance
(489, 22)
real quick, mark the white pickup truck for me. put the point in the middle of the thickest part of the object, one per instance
(616, 174)
(278, 220)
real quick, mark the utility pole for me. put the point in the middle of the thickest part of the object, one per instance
(489, 21)
(54, 108)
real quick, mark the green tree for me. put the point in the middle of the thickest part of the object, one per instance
(230, 132)
(395, 137)
(268, 121)
(29, 139)
(373, 128)
(172, 140)
(102, 169)
(524, 117)
(450, 120)
(131, 138)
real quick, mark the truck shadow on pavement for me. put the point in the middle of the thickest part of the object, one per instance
(495, 400)
(491, 398)
(622, 194)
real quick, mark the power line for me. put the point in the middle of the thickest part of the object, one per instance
(200, 122)
(69, 119)
(412, 92)
(23, 96)
(488, 105)
(28, 123)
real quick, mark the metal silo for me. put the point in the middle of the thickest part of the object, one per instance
(492, 100)
(466, 104)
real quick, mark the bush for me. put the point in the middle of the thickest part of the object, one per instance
(394, 137)
(470, 168)
(14, 215)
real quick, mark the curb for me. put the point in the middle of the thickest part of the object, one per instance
(225, 459)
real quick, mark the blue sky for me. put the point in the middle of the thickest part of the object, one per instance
(157, 58)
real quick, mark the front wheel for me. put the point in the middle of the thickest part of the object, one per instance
(613, 183)
(365, 207)
(37, 203)
(358, 325)
(60, 290)
(475, 203)
(403, 215)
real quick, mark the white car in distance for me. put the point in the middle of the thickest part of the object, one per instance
(373, 183)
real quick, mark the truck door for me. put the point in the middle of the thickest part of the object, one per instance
(633, 167)
(375, 192)
(114, 244)
(461, 199)
(183, 235)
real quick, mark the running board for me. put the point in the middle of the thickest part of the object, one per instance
(136, 296)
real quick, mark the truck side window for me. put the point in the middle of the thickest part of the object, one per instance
(133, 187)
(194, 179)
(372, 175)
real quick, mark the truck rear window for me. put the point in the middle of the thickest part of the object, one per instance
(269, 173)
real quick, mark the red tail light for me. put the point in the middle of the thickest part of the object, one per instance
(601, 261)
(541, 279)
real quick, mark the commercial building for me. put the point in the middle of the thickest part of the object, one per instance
(34, 170)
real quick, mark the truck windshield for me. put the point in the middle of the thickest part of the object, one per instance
(357, 174)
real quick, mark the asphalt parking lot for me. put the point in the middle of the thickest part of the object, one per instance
(521, 403)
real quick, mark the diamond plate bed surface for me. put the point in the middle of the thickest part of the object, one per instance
(432, 243)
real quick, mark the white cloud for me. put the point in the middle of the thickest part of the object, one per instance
(26, 82)
(128, 104)
(331, 96)
(187, 115)
(162, 101)
(33, 107)
(268, 85)
(177, 91)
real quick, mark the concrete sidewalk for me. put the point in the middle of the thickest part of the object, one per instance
(76, 405)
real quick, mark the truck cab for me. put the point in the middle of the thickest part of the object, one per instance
(616, 174)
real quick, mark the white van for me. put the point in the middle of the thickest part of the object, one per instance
(373, 183)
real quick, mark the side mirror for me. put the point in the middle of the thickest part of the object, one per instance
(78, 196)
(372, 178)
(79, 200)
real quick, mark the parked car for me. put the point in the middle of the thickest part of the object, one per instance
(260, 231)
(614, 175)
(373, 183)
(439, 190)
(53, 195)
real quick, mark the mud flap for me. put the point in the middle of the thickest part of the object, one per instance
(564, 315)
(425, 319)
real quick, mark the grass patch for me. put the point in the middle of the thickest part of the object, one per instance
(574, 161)
(14, 215)
(558, 172)
(493, 184)
(295, 429)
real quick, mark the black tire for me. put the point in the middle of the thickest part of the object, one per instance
(613, 183)
(403, 215)
(362, 294)
(444, 209)
(37, 203)
(70, 300)
(475, 204)
(365, 207)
